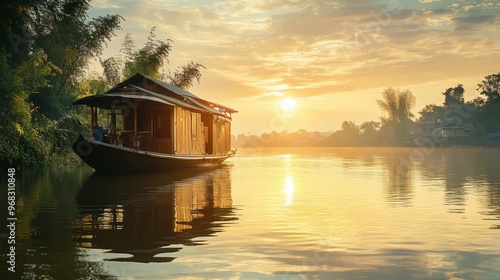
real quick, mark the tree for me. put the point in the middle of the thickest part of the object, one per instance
(348, 135)
(490, 112)
(490, 87)
(44, 48)
(349, 126)
(479, 117)
(454, 96)
(21, 143)
(369, 131)
(431, 113)
(369, 127)
(149, 60)
(63, 31)
(396, 106)
(477, 103)
(184, 75)
(16, 32)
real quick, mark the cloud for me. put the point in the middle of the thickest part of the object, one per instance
(322, 47)
(477, 22)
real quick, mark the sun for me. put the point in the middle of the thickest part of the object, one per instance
(288, 104)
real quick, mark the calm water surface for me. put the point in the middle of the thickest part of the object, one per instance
(301, 213)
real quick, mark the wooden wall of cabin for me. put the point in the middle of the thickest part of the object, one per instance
(189, 132)
(208, 124)
(162, 119)
(227, 137)
(177, 130)
(221, 135)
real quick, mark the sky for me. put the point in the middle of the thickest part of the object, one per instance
(332, 58)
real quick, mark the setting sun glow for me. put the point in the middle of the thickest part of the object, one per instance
(288, 104)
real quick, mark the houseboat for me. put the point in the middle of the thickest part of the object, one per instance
(146, 125)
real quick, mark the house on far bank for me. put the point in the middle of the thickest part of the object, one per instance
(449, 133)
(455, 132)
(423, 134)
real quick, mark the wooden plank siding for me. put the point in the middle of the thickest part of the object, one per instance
(162, 119)
(189, 132)
(221, 135)
(208, 124)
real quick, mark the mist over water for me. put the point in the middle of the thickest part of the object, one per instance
(274, 213)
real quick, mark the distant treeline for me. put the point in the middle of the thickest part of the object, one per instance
(399, 127)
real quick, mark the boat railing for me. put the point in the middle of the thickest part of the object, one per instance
(141, 141)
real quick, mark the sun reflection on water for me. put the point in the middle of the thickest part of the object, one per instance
(289, 188)
(289, 185)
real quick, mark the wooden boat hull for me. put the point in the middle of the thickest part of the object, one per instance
(109, 158)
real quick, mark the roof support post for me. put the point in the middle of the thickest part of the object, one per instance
(112, 129)
(91, 121)
(135, 127)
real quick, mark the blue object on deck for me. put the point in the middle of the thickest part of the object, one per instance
(98, 132)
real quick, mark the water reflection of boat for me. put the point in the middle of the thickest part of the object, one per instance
(150, 216)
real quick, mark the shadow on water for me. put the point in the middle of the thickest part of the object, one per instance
(398, 171)
(45, 211)
(146, 217)
(464, 171)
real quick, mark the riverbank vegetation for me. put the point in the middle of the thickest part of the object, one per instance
(45, 47)
(45, 50)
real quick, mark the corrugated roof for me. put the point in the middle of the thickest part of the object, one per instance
(184, 93)
(181, 97)
(177, 102)
(174, 89)
(108, 100)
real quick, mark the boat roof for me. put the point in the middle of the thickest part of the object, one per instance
(116, 98)
(142, 87)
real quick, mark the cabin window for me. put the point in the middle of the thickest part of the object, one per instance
(194, 125)
(161, 124)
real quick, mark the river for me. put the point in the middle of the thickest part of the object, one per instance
(268, 213)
